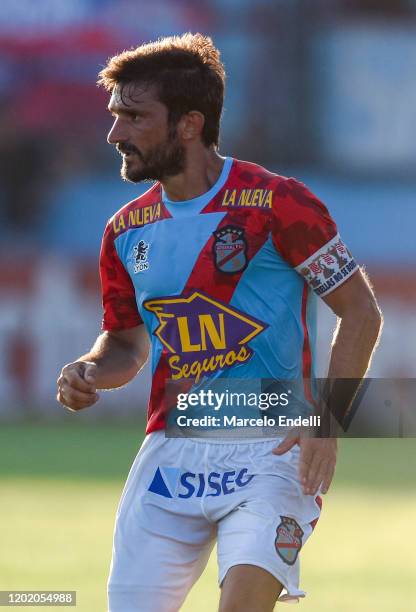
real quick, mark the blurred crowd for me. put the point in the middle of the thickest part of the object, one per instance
(320, 89)
(282, 59)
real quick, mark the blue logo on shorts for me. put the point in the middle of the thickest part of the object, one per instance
(171, 482)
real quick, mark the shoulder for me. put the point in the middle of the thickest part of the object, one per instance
(140, 211)
(250, 187)
(294, 203)
(285, 188)
(252, 174)
(287, 197)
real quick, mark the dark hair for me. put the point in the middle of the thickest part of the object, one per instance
(187, 72)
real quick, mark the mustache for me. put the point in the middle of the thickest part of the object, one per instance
(124, 147)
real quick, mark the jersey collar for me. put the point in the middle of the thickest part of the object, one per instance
(195, 205)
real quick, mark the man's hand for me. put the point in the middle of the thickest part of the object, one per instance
(317, 461)
(77, 385)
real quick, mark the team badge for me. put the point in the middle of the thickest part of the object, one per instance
(230, 249)
(288, 540)
(140, 252)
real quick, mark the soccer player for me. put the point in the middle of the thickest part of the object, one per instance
(219, 264)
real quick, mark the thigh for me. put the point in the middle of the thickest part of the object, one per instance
(270, 526)
(161, 545)
(248, 588)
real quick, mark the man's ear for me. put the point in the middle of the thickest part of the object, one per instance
(190, 125)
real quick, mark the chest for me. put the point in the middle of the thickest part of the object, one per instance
(166, 257)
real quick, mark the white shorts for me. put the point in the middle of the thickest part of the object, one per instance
(184, 494)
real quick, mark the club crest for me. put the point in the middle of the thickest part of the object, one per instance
(140, 253)
(288, 540)
(230, 249)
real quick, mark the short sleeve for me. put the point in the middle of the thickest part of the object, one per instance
(306, 236)
(118, 296)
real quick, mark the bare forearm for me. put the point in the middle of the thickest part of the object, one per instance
(117, 362)
(354, 343)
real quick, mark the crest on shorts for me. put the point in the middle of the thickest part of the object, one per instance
(230, 249)
(288, 540)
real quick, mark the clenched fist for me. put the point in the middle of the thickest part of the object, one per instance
(77, 385)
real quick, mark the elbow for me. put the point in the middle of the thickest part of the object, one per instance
(143, 354)
(370, 317)
(142, 359)
(376, 316)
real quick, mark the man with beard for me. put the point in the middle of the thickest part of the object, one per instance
(217, 263)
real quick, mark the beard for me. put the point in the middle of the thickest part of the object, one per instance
(165, 159)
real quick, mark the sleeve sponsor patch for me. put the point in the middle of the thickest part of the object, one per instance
(328, 267)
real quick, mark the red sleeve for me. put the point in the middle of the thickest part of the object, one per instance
(306, 236)
(119, 300)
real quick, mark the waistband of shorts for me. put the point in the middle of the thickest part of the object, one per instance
(220, 441)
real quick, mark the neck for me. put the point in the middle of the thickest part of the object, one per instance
(203, 167)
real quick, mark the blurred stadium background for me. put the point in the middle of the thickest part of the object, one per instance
(323, 90)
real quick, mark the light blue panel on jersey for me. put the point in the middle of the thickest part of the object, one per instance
(173, 247)
(278, 349)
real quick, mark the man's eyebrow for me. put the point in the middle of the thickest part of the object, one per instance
(122, 110)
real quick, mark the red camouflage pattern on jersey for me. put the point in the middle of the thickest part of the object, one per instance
(118, 295)
(298, 223)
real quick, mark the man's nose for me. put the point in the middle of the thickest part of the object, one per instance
(116, 134)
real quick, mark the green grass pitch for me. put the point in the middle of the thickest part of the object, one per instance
(60, 487)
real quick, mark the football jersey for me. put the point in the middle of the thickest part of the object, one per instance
(226, 282)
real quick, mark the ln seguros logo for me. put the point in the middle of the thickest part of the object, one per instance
(202, 335)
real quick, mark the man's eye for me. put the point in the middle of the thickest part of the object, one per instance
(135, 118)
